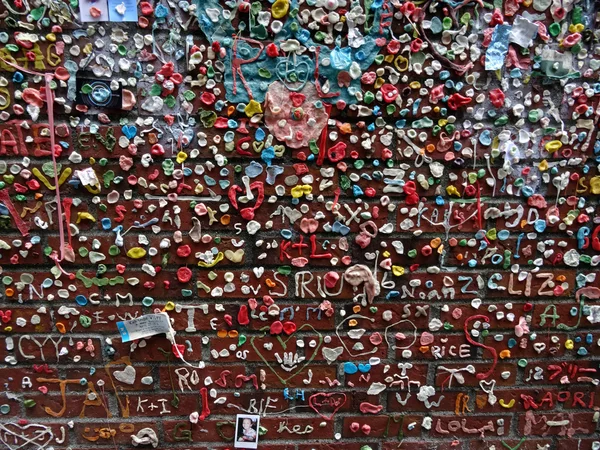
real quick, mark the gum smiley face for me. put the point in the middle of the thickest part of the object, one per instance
(289, 363)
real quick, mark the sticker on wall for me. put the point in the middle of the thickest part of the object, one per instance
(143, 327)
(98, 94)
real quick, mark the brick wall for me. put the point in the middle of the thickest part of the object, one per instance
(418, 273)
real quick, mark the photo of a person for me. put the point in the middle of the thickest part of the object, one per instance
(246, 431)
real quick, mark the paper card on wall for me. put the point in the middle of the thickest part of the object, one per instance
(122, 10)
(523, 32)
(556, 64)
(93, 11)
(143, 327)
(498, 48)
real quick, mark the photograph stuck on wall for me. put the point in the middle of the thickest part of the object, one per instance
(246, 431)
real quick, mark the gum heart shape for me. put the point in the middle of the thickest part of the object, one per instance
(539, 347)
(326, 405)
(309, 225)
(184, 137)
(338, 227)
(299, 367)
(178, 350)
(236, 256)
(127, 375)
(364, 368)
(247, 213)
(16, 436)
(258, 146)
(297, 98)
(331, 354)
(129, 131)
(350, 368)
(5, 316)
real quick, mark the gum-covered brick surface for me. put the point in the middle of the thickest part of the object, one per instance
(359, 224)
